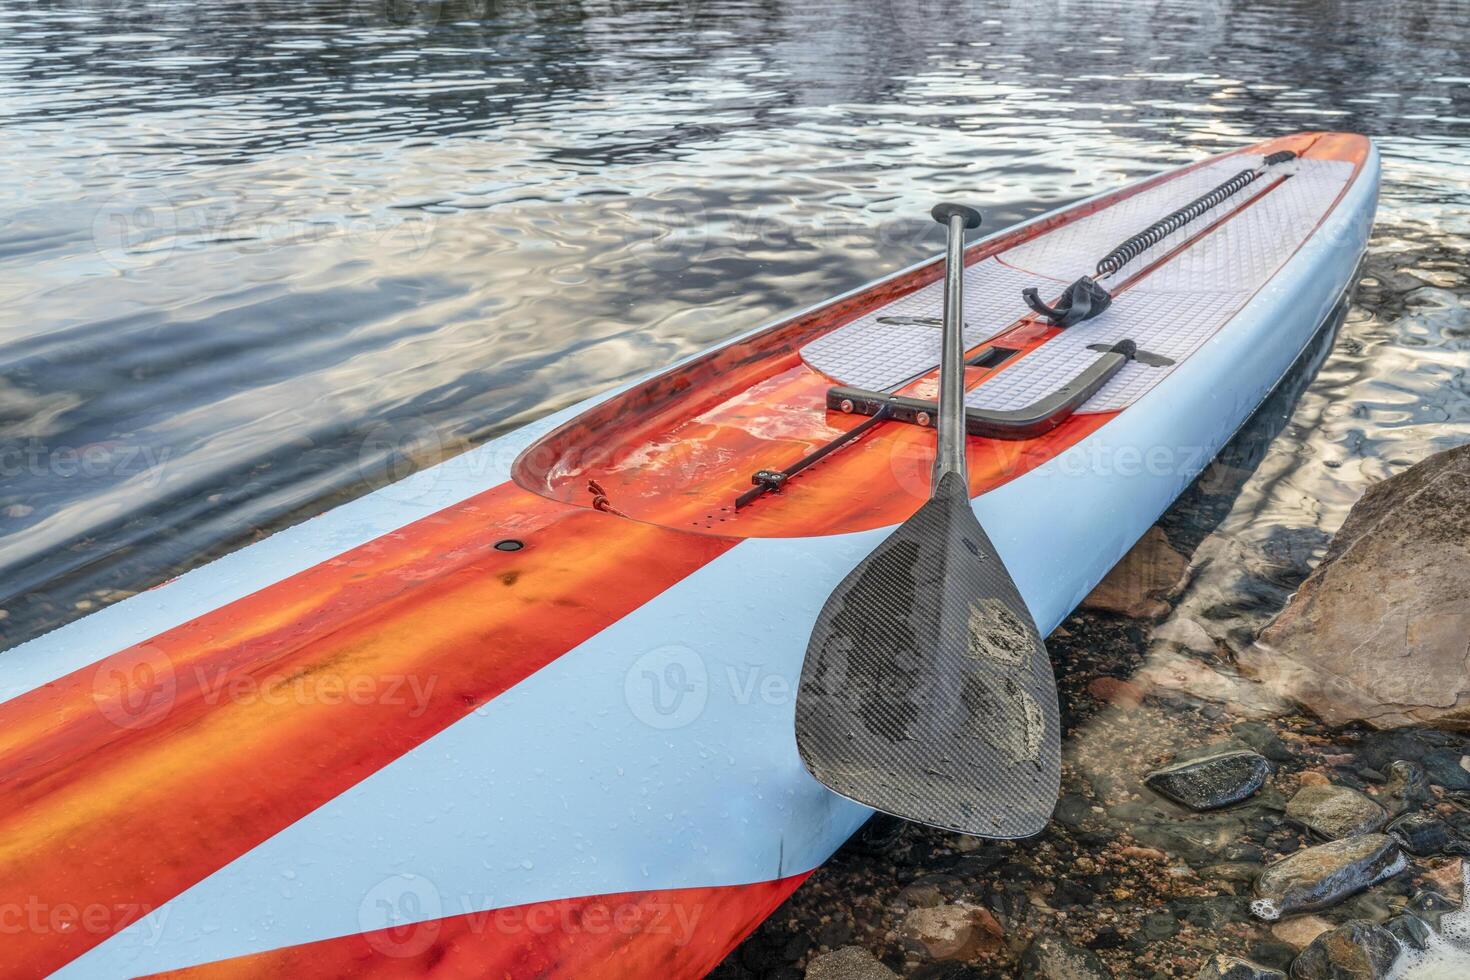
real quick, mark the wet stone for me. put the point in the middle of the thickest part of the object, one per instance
(1377, 903)
(1211, 781)
(924, 894)
(1069, 894)
(1381, 749)
(1425, 834)
(1243, 852)
(1222, 967)
(1197, 841)
(1260, 736)
(1298, 931)
(952, 932)
(1230, 871)
(1411, 931)
(1335, 812)
(1446, 878)
(977, 865)
(1431, 906)
(1356, 950)
(1054, 958)
(1408, 786)
(848, 963)
(1446, 767)
(1158, 926)
(1319, 877)
(1272, 953)
(1212, 912)
(1073, 810)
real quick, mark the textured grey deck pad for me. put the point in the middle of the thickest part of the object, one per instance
(1181, 305)
(1172, 312)
(875, 352)
(1074, 249)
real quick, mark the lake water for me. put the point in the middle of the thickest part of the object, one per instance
(257, 259)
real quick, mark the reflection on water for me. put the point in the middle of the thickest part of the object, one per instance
(255, 259)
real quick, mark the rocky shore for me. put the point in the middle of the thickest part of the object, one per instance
(1293, 801)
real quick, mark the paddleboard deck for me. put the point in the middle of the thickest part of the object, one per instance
(529, 713)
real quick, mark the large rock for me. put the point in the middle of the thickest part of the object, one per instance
(1355, 950)
(952, 932)
(1380, 631)
(1335, 812)
(1211, 780)
(1137, 585)
(1319, 877)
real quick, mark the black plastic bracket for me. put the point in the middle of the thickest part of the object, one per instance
(1082, 300)
(771, 480)
(1034, 420)
(1145, 357)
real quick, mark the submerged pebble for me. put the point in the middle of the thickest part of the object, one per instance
(1425, 834)
(1335, 812)
(1411, 931)
(1263, 738)
(1356, 950)
(848, 963)
(1213, 780)
(952, 932)
(1408, 787)
(1432, 907)
(1222, 967)
(1321, 876)
(1446, 767)
(1054, 958)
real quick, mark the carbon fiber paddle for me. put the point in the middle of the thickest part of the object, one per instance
(927, 691)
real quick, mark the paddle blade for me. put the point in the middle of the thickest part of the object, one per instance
(927, 692)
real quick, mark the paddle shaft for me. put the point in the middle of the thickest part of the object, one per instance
(950, 457)
(927, 691)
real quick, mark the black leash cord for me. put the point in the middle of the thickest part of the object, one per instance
(1171, 223)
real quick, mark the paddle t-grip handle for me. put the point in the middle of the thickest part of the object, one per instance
(943, 212)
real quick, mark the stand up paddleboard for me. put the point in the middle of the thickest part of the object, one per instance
(534, 712)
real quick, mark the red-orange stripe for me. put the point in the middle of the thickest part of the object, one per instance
(671, 935)
(257, 713)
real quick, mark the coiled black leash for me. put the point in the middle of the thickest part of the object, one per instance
(1086, 298)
